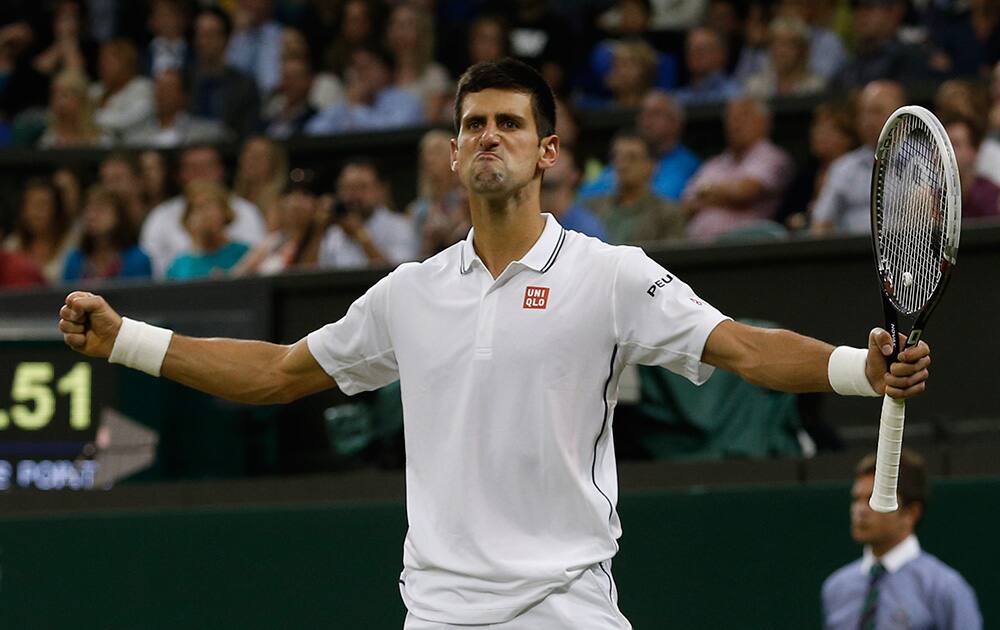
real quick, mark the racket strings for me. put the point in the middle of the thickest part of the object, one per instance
(910, 219)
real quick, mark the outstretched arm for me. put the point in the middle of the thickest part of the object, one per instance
(254, 372)
(786, 361)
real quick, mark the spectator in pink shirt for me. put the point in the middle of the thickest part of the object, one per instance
(743, 185)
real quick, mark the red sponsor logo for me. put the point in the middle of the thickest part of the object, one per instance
(536, 297)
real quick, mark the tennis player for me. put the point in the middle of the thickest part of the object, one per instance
(508, 346)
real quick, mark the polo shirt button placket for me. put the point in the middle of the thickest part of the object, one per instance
(485, 324)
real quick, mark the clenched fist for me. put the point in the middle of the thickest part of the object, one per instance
(88, 324)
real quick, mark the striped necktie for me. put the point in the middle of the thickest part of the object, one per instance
(870, 609)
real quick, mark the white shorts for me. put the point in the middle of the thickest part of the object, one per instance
(588, 603)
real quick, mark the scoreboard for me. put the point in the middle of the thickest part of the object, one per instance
(56, 417)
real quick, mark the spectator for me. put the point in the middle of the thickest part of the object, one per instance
(124, 99)
(633, 213)
(979, 195)
(71, 48)
(67, 182)
(261, 173)
(290, 108)
(629, 19)
(326, 89)
(42, 232)
(108, 247)
(727, 18)
(753, 53)
(155, 177)
(543, 39)
(966, 43)
(119, 173)
(787, 71)
(255, 47)
(358, 28)
(843, 204)
(220, 91)
(742, 186)
(22, 23)
(169, 49)
(172, 125)
(372, 103)
(207, 213)
(18, 271)
(964, 99)
(489, 39)
(295, 242)
(831, 135)
(661, 123)
(705, 56)
(895, 579)
(365, 233)
(879, 53)
(441, 212)
(632, 74)
(410, 39)
(71, 115)
(164, 236)
(558, 192)
(826, 50)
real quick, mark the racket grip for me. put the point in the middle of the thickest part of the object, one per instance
(890, 444)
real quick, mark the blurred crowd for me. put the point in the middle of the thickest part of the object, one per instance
(161, 84)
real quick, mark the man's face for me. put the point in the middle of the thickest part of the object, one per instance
(869, 527)
(497, 150)
(166, 20)
(745, 126)
(965, 150)
(117, 176)
(704, 52)
(296, 80)
(358, 188)
(877, 102)
(209, 37)
(658, 122)
(632, 162)
(368, 73)
(876, 21)
(201, 163)
(168, 91)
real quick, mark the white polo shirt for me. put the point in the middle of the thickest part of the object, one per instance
(509, 388)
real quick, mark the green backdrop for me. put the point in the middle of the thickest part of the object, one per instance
(750, 558)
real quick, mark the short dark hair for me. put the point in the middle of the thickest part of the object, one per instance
(974, 129)
(362, 162)
(222, 16)
(633, 134)
(514, 75)
(913, 485)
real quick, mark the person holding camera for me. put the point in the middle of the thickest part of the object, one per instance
(363, 231)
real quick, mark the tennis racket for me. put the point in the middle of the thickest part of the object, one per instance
(916, 202)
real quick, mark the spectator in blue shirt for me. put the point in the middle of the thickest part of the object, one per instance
(660, 122)
(206, 214)
(558, 190)
(705, 55)
(108, 247)
(895, 584)
(255, 47)
(372, 102)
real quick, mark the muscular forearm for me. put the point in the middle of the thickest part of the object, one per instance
(253, 372)
(773, 358)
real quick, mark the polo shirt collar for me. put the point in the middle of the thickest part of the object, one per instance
(895, 558)
(540, 257)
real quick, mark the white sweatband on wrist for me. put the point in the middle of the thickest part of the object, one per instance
(846, 371)
(141, 346)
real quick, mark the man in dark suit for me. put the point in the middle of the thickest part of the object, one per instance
(219, 91)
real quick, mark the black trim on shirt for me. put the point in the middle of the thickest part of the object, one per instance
(604, 424)
(555, 252)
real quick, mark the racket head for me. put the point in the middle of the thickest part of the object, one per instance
(916, 206)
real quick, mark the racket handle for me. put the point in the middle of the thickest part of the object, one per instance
(890, 443)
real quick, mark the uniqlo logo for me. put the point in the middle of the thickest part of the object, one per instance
(536, 297)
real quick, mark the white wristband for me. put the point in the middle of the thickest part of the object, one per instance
(141, 346)
(846, 371)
